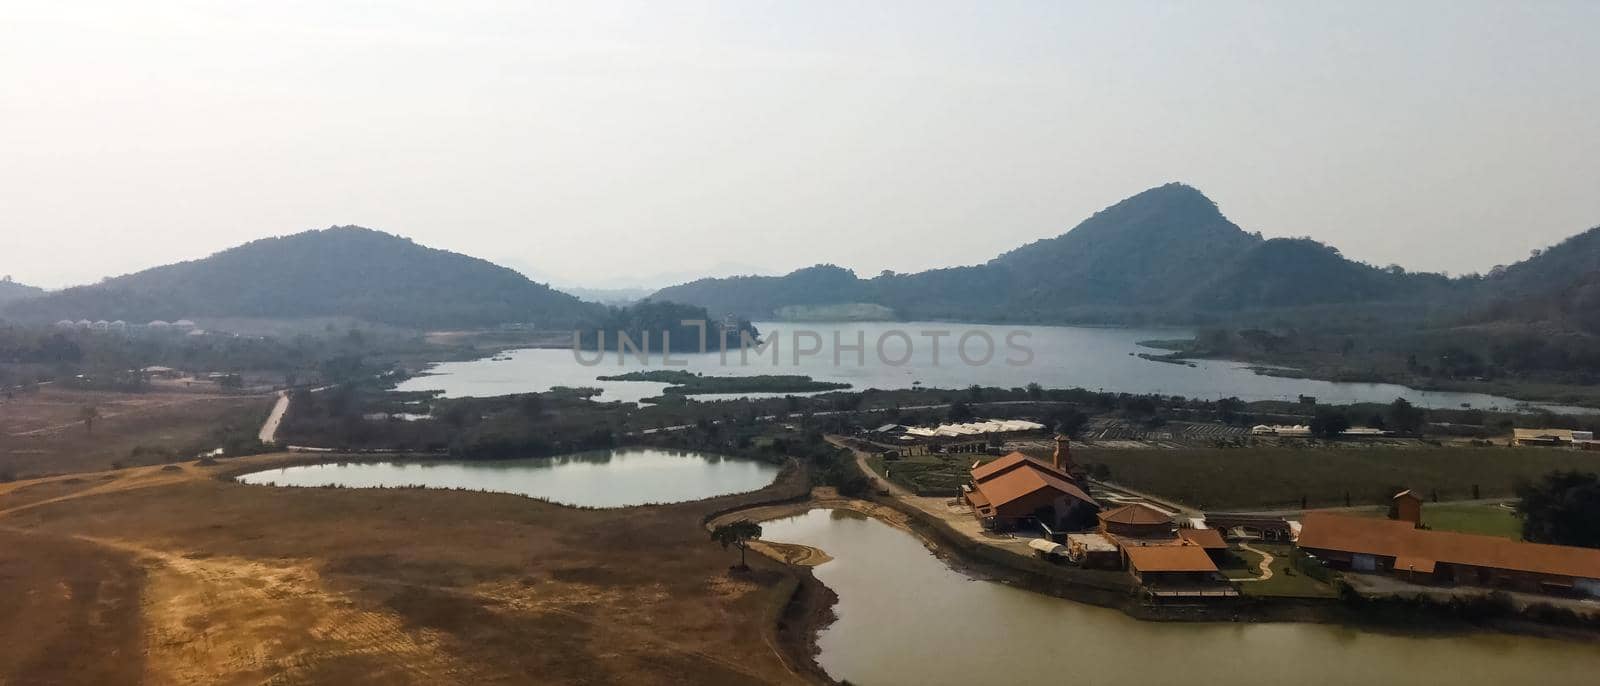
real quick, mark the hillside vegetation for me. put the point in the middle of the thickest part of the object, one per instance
(11, 290)
(1166, 255)
(346, 270)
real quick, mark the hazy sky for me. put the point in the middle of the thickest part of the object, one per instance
(591, 144)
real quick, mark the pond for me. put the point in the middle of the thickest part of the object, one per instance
(905, 617)
(602, 478)
(1062, 357)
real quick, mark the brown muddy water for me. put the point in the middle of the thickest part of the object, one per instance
(905, 617)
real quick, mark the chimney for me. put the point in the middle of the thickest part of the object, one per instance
(1062, 459)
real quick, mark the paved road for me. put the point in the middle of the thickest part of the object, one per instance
(1295, 512)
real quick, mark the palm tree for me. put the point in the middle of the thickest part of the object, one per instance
(737, 534)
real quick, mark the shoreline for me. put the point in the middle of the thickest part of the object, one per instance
(817, 608)
(1180, 356)
(1551, 401)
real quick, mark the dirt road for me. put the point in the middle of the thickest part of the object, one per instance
(269, 429)
(879, 483)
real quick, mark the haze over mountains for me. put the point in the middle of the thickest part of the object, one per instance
(1164, 256)
(11, 290)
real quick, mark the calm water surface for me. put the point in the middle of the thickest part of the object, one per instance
(904, 617)
(601, 478)
(1063, 357)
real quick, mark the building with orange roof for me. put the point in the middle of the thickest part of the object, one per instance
(1138, 520)
(1387, 546)
(1016, 489)
(1170, 564)
(1406, 506)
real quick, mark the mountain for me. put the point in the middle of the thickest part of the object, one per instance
(1551, 269)
(339, 271)
(1149, 249)
(608, 296)
(1558, 285)
(1164, 255)
(760, 296)
(11, 290)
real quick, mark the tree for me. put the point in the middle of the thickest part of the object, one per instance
(1066, 421)
(1229, 408)
(1139, 406)
(1035, 391)
(737, 534)
(959, 412)
(88, 413)
(1404, 417)
(1562, 508)
(531, 405)
(1329, 423)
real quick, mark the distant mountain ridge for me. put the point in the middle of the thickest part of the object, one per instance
(1559, 285)
(1160, 256)
(11, 290)
(339, 271)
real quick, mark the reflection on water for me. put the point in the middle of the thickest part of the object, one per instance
(1064, 357)
(905, 617)
(599, 478)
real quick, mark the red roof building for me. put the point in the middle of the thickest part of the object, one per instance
(1396, 546)
(1016, 488)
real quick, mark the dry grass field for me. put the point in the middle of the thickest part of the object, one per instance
(168, 575)
(43, 432)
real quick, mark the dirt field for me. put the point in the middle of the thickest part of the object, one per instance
(168, 576)
(44, 433)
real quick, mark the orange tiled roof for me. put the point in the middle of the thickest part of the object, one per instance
(988, 471)
(1169, 558)
(1016, 483)
(1398, 539)
(1209, 539)
(1136, 513)
(1414, 564)
(977, 498)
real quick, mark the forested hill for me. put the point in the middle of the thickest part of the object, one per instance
(11, 290)
(1165, 255)
(340, 271)
(1559, 286)
(1151, 249)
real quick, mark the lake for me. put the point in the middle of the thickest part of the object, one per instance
(905, 617)
(1062, 357)
(600, 478)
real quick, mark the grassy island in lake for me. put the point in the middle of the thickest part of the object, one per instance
(689, 383)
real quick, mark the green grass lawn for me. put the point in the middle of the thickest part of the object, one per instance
(1488, 520)
(1286, 581)
(1242, 478)
(1243, 565)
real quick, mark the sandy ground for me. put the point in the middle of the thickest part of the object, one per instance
(168, 575)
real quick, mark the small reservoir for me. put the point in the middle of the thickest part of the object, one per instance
(623, 477)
